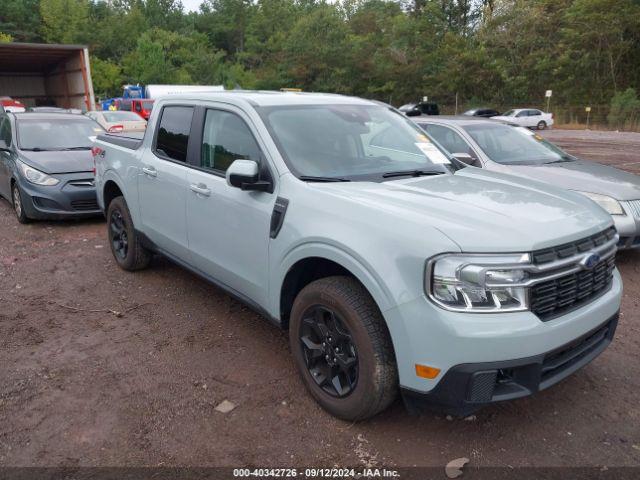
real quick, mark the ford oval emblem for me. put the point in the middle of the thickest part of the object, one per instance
(590, 260)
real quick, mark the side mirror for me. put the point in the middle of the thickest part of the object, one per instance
(245, 175)
(466, 158)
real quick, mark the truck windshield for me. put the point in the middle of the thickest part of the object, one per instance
(58, 134)
(515, 145)
(351, 142)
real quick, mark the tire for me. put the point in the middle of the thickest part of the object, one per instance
(344, 302)
(18, 206)
(126, 245)
(541, 125)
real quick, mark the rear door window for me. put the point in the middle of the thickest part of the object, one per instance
(172, 137)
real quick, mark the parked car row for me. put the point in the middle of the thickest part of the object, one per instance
(525, 117)
(427, 261)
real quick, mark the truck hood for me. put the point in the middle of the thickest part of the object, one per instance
(482, 211)
(57, 161)
(582, 175)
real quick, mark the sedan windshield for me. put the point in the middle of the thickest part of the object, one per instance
(351, 142)
(509, 113)
(58, 134)
(515, 145)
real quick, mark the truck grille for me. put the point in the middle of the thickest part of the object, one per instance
(569, 249)
(555, 297)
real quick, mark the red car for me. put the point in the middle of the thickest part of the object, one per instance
(11, 105)
(141, 106)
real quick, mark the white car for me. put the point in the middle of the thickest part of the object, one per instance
(527, 117)
(119, 121)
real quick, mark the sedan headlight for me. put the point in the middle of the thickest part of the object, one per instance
(611, 205)
(36, 176)
(478, 283)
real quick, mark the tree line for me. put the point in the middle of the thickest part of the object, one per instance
(484, 51)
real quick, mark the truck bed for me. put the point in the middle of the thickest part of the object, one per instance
(130, 140)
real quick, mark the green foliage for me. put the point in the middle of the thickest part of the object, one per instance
(5, 38)
(162, 56)
(491, 52)
(107, 77)
(63, 21)
(20, 19)
(625, 109)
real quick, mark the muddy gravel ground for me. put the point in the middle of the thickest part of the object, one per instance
(100, 367)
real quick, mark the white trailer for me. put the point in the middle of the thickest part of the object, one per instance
(156, 91)
(39, 74)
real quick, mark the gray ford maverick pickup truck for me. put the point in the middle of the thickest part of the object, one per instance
(392, 266)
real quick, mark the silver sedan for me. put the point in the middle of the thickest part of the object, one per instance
(506, 148)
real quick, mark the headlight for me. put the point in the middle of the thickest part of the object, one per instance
(478, 283)
(611, 205)
(36, 176)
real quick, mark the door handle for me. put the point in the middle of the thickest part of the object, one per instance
(152, 172)
(200, 189)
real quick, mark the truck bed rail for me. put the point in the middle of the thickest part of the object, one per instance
(132, 141)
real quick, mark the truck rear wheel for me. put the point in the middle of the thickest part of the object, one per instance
(342, 348)
(125, 243)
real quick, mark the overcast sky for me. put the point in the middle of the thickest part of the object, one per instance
(191, 5)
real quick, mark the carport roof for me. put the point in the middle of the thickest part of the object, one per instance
(33, 57)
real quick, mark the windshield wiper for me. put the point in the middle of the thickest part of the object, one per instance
(309, 178)
(77, 148)
(411, 173)
(562, 160)
(37, 149)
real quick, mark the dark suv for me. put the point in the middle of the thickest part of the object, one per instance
(422, 108)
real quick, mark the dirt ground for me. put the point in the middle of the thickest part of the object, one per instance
(84, 385)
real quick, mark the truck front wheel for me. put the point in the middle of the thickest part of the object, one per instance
(124, 241)
(342, 348)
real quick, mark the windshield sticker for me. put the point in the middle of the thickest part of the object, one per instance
(432, 153)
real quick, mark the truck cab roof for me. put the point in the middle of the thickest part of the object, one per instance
(264, 98)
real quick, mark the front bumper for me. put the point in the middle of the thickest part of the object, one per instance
(467, 387)
(628, 225)
(73, 197)
(424, 334)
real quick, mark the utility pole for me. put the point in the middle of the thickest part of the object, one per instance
(456, 103)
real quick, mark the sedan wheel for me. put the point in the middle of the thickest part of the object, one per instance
(17, 205)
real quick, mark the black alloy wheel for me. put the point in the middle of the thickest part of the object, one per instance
(329, 351)
(118, 234)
